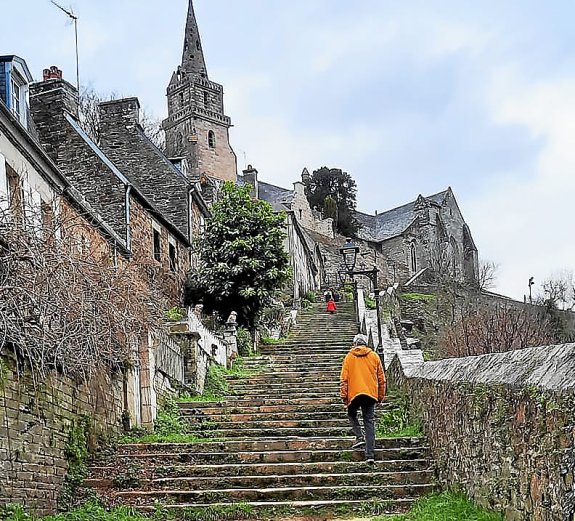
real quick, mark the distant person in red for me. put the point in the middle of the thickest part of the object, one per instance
(331, 307)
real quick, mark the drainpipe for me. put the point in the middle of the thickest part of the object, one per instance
(128, 218)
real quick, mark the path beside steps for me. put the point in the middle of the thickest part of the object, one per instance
(285, 448)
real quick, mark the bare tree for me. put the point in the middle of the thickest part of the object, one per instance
(498, 329)
(559, 289)
(487, 274)
(90, 118)
(66, 301)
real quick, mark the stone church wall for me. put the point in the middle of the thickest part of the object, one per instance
(36, 418)
(501, 427)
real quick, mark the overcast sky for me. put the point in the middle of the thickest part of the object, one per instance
(409, 97)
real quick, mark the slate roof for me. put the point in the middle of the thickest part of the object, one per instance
(279, 198)
(394, 222)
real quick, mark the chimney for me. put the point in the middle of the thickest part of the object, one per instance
(53, 73)
(52, 96)
(121, 111)
(305, 176)
(250, 175)
(376, 213)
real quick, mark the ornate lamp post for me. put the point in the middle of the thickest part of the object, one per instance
(349, 253)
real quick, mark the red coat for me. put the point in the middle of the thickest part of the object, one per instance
(331, 306)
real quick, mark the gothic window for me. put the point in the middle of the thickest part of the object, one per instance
(179, 143)
(413, 257)
(211, 139)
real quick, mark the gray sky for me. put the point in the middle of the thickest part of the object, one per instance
(408, 97)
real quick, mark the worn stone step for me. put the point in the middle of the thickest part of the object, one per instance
(288, 481)
(265, 444)
(287, 394)
(318, 493)
(282, 510)
(293, 456)
(104, 475)
(334, 407)
(262, 401)
(340, 415)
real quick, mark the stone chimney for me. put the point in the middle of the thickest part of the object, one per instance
(50, 101)
(305, 176)
(52, 96)
(53, 73)
(250, 175)
(121, 111)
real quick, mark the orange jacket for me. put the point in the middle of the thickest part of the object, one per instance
(362, 373)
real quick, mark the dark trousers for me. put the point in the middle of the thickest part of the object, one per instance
(367, 405)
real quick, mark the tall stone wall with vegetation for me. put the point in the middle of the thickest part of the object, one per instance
(501, 427)
(47, 429)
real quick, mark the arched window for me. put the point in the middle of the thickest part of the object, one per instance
(413, 257)
(211, 139)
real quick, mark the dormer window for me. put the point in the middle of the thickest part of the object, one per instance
(16, 95)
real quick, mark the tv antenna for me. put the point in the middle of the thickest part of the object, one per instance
(74, 19)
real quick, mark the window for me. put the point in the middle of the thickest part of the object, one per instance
(206, 100)
(157, 246)
(413, 255)
(172, 253)
(16, 98)
(211, 139)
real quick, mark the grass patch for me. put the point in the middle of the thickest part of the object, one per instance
(422, 297)
(370, 303)
(268, 341)
(396, 423)
(446, 506)
(93, 511)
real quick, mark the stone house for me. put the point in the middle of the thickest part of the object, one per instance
(429, 232)
(153, 208)
(36, 416)
(197, 128)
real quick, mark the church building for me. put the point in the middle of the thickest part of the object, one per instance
(197, 129)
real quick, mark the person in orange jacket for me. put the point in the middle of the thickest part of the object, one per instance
(362, 385)
(331, 307)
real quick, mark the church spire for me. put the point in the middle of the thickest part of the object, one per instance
(193, 56)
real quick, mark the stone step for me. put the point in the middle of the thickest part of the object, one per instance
(189, 409)
(340, 415)
(284, 385)
(264, 444)
(370, 478)
(287, 394)
(264, 401)
(282, 510)
(289, 456)
(104, 474)
(233, 495)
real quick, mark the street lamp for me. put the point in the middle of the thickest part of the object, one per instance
(531, 282)
(349, 253)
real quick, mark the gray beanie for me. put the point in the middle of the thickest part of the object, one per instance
(360, 340)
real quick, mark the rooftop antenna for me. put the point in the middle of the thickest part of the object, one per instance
(74, 19)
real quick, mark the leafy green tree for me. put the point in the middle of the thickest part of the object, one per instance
(243, 263)
(327, 184)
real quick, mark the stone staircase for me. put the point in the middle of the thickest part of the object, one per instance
(283, 442)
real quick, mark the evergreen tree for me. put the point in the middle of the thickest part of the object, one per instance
(243, 263)
(332, 184)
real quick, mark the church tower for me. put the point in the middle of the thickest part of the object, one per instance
(197, 129)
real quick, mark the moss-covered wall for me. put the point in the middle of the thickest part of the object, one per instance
(36, 419)
(502, 427)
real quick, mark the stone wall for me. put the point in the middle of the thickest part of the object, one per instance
(502, 427)
(35, 422)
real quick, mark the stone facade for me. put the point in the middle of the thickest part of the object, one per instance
(35, 422)
(429, 232)
(196, 127)
(501, 427)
